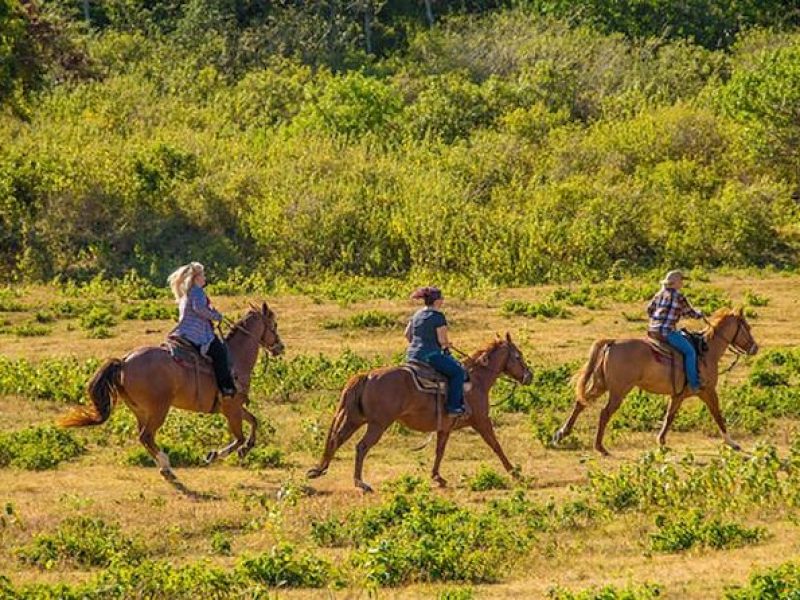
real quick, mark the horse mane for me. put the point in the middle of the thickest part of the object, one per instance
(241, 323)
(718, 316)
(472, 359)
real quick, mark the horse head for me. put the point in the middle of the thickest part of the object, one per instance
(516, 366)
(733, 328)
(269, 338)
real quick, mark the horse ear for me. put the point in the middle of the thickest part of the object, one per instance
(264, 308)
(739, 312)
(508, 337)
(252, 305)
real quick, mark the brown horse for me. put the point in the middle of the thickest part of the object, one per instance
(383, 396)
(150, 381)
(617, 366)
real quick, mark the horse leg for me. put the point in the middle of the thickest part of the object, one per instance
(342, 429)
(712, 402)
(614, 401)
(371, 437)
(486, 430)
(674, 404)
(232, 409)
(251, 438)
(566, 428)
(441, 442)
(147, 436)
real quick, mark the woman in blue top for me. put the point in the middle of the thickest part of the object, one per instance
(427, 334)
(196, 317)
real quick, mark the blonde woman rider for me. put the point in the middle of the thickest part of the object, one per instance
(195, 321)
(665, 309)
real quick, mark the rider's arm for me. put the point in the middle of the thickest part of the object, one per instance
(651, 308)
(408, 332)
(687, 310)
(441, 336)
(199, 302)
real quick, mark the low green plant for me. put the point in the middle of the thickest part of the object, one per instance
(285, 566)
(487, 479)
(369, 319)
(98, 321)
(683, 531)
(38, 448)
(265, 457)
(60, 379)
(777, 583)
(456, 593)
(548, 309)
(180, 453)
(9, 300)
(754, 299)
(221, 543)
(647, 591)
(81, 542)
(148, 311)
(30, 330)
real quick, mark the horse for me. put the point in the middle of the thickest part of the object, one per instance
(150, 381)
(382, 396)
(617, 366)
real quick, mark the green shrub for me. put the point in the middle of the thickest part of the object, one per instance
(778, 583)
(683, 531)
(284, 566)
(180, 453)
(98, 321)
(265, 457)
(487, 479)
(647, 591)
(30, 330)
(60, 379)
(545, 310)
(83, 542)
(221, 543)
(370, 319)
(149, 311)
(38, 448)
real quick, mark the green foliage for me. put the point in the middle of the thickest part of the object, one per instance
(543, 310)
(284, 566)
(684, 531)
(647, 591)
(60, 379)
(221, 543)
(369, 319)
(265, 457)
(27, 330)
(149, 311)
(487, 479)
(778, 583)
(38, 448)
(98, 321)
(82, 542)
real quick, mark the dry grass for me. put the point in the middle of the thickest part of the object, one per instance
(177, 527)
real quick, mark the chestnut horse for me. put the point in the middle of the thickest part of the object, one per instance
(382, 396)
(617, 366)
(150, 381)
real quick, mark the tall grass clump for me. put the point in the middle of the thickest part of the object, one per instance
(38, 448)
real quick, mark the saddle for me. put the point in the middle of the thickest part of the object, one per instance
(666, 354)
(429, 381)
(186, 355)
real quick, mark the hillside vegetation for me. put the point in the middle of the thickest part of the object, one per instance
(506, 142)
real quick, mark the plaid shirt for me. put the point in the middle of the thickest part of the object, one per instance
(666, 307)
(196, 316)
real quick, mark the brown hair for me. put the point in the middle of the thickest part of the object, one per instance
(429, 294)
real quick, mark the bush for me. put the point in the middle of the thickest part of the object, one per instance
(284, 566)
(370, 319)
(778, 583)
(487, 479)
(81, 542)
(647, 591)
(38, 448)
(684, 531)
(60, 379)
(544, 310)
(265, 457)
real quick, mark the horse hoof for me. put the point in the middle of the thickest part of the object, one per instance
(364, 487)
(440, 481)
(243, 452)
(211, 457)
(315, 472)
(168, 474)
(602, 451)
(557, 437)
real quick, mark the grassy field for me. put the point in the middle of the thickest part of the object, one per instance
(233, 511)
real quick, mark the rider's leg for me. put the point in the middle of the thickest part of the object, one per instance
(452, 369)
(222, 372)
(678, 341)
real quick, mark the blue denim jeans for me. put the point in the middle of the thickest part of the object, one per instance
(452, 369)
(678, 341)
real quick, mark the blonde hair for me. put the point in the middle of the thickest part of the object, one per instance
(182, 279)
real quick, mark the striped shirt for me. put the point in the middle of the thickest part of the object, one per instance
(666, 307)
(196, 315)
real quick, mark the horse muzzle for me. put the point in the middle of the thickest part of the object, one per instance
(527, 377)
(753, 349)
(276, 349)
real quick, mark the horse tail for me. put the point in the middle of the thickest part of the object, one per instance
(102, 390)
(590, 383)
(350, 409)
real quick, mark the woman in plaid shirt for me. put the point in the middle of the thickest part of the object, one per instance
(196, 317)
(665, 309)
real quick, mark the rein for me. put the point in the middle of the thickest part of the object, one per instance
(738, 352)
(233, 325)
(514, 383)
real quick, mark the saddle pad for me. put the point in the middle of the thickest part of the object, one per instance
(186, 355)
(427, 379)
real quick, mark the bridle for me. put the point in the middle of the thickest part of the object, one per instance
(514, 383)
(730, 344)
(271, 349)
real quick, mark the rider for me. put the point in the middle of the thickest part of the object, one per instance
(194, 324)
(666, 307)
(429, 343)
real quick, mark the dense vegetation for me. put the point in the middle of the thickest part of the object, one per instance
(511, 142)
